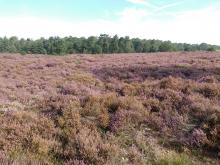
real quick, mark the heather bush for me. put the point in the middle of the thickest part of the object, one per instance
(209, 129)
(152, 104)
(85, 79)
(171, 83)
(209, 90)
(130, 90)
(99, 108)
(21, 160)
(166, 122)
(53, 106)
(120, 120)
(208, 79)
(28, 134)
(84, 145)
(198, 138)
(133, 104)
(170, 99)
(78, 141)
(134, 145)
(69, 89)
(131, 112)
(212, 128)
(135, 156)
(94, 109)
(112, 102)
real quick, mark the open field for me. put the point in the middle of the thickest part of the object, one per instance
(160, 108)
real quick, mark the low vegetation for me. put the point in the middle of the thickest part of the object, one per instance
(159, 109)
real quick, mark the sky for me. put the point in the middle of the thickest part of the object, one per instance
(191, 21)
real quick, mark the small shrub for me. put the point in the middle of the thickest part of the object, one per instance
(84, 78)
(54, 106)
(166, 122)
(170, 99)
(152, 104)
(86, 146)
(131, 103)
(208, 79)
(170, 83)
(94, 108)
(209, 91)
(130, 90)
(123, 119)
(135, 156)
(198, 138)
(69, 89)
(131, 112)
(25, 133)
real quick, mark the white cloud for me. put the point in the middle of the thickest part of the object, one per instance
(166, 6)
(132, 15)
(143, 2)
(155, 7)
(190, 26)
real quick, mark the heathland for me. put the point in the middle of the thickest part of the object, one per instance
(155, 108)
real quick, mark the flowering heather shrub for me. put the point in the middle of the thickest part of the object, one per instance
(19, 161)
(198, 138)
(134, 156)
(120, 120)
(201, 109)
(208, 79)
(52, 64)
(78, 90)
(209, 90)
(152, 104)
(166, 122)
(131, 113)
(211, 126)
(131, 103)
(130, 90)
(25, 133)
(95, 110)
(187, 89)
(84, 78)
(85, 146)
(112, 102)
(98, 108)
(118, 109)
(53, 106)
(69, 89)
(169, 99)
(171, 83)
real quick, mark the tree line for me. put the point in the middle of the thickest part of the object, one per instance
(95, 45)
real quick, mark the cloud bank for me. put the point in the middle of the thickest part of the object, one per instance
(194, 26)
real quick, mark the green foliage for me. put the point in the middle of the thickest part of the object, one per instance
(166, 47)
(179, 160)
(95, 45)
(114, 47)
(211, 49)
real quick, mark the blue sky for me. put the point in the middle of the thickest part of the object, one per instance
(192, 21)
